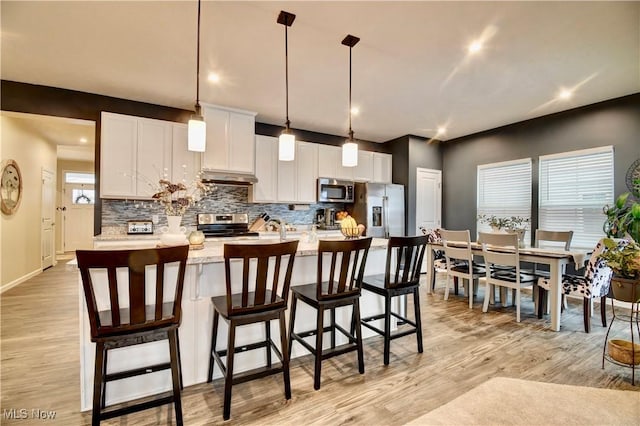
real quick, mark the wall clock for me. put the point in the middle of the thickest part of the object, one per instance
(633, 178)
(10, 187)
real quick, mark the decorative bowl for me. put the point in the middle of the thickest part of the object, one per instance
(622, 351)
(351, 232)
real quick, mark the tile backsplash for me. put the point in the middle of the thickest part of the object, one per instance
(224, 199)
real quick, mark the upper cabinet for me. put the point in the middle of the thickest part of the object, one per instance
(363, 172)
(266, 189)
(330, 163)
(136, 152)
(372, 166)
(230, 140)
(382, 167)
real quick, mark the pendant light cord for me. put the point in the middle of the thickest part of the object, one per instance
(198, 65)
(286, 74)
(350, 130)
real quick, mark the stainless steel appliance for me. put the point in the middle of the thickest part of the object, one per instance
(379, 207)
(224, 225)
(335, 191)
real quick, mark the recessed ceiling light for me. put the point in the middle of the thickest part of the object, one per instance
(475, 47)
(565, 94)
(83, 140)
(213, 77)
(441, 130)
(355, 110)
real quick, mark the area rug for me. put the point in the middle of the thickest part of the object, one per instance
(504, 401)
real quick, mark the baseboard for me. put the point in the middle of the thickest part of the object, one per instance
(20, 280)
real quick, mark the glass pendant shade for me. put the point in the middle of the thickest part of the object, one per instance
(197, 134)
(350, 154)
(287, 147)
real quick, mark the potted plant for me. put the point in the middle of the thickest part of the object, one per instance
(624, 260)
(623, 217)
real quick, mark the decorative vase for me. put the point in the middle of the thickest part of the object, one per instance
(173, 234)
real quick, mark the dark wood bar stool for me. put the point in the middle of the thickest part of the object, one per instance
(136, 323)
(262, 302)
(407, 254)
(346, 270)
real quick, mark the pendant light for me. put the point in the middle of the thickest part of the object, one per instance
(287, 140)
(350, 147)
(197, 127)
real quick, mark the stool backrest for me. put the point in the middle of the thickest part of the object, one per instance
(120, 279)
(346, 269)
(408, 253)
(264, 285)
(554, 236)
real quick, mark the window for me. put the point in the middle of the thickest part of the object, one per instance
(573, 189)
(79, 177)
(504, 190)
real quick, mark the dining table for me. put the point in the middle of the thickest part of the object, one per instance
(555, 257)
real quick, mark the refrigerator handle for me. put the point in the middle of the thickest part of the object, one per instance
(385, 220)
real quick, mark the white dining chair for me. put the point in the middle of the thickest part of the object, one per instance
(459, 258)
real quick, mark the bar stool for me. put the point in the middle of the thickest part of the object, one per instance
(136, 322)
(347, 263)
(265, 300)
(408, 253)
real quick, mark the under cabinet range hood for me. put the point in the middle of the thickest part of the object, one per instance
(222, 177)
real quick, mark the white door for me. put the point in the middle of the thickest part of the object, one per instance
(428, 201)
(79, 201)
(47, 214)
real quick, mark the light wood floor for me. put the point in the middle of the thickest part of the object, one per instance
(462, 349)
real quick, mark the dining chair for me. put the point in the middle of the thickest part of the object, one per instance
(459, 258)
(139, 312)
(501, 252)
(439, 261)
(547, 239)
(345, 270)
(594, 284)
(401, 278)
(264, 274)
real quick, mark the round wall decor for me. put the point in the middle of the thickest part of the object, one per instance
(10, 187)
(633, 178)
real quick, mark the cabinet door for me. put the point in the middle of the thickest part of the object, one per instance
(328, 158)
(216, 155)
(382, 167)
(306, 172)
(342, 172)
(118, 140)
(185, 164)
(287, 181)
(241, 142)
(363, 172)
(266, 189)
(153, 155)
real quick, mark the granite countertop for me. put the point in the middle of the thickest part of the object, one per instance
(123, 236)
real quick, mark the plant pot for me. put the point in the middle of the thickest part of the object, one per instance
(626, 289)
(624, 351)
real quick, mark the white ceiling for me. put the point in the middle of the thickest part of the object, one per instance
(411, 70)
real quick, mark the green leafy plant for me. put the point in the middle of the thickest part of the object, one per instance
(513, 222)
(623, 217)
(625, 261)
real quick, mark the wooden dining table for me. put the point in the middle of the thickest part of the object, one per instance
(555, 258)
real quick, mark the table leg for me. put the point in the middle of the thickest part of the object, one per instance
(555, 273)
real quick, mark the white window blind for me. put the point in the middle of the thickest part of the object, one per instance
(573, 189)
(504, 190)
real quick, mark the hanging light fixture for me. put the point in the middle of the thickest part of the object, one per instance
(197, 133)
(287, 141)
(350, 147)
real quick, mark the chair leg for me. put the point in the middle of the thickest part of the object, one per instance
(333, 328)
(487, 295)
(416, 304)
(267, 329)
(356, 312)
(586, 304)
(387, 327)
(446, 288)
(470, 291)
(174, 353)
(285, 357)
(603, 310)
(318, 354)
(179, 359)
(455, 286)
(97, 383)
(228, 380)
(214, 338)
(517, 302)
(541, 301)
(103, 389)
(292, 320)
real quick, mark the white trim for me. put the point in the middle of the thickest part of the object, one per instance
(589, 151)
(504, 163)
(20, 280)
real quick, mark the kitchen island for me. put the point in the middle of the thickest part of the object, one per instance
(204, 278)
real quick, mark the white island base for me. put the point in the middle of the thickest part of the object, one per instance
(205, 278)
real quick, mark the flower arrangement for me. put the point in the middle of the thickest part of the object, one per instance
(176, 198)
(513, 222)
(625, 260)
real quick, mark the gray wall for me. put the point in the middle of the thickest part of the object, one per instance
(615, 122)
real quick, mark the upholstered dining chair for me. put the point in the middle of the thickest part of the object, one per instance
(459, 258)
(593, 285)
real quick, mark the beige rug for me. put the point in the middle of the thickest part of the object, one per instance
(503, 401)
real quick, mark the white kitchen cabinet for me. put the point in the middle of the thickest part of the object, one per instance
(382, 164)
(230, 140)
(306, 172)
(118, 152)
(330, 163)
(185, 164)
(363, 172)
(153, 160)
(266, 189)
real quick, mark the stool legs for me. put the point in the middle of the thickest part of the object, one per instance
(98, 383)
(318, 358)
(267, 328)
(214, 338)
(387, 329)
(228, 379)
(356, 312)
(416, 304)
(176, 374)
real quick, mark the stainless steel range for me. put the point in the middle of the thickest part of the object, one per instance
(224, 225)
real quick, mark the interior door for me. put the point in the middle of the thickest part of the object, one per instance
(48, 212)
(428, 201)
(78, 216)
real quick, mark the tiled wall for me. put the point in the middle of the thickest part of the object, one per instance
(224, 199)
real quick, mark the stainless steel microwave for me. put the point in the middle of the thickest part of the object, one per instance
(335, 191)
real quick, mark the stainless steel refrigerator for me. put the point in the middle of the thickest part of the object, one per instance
(379, 207)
